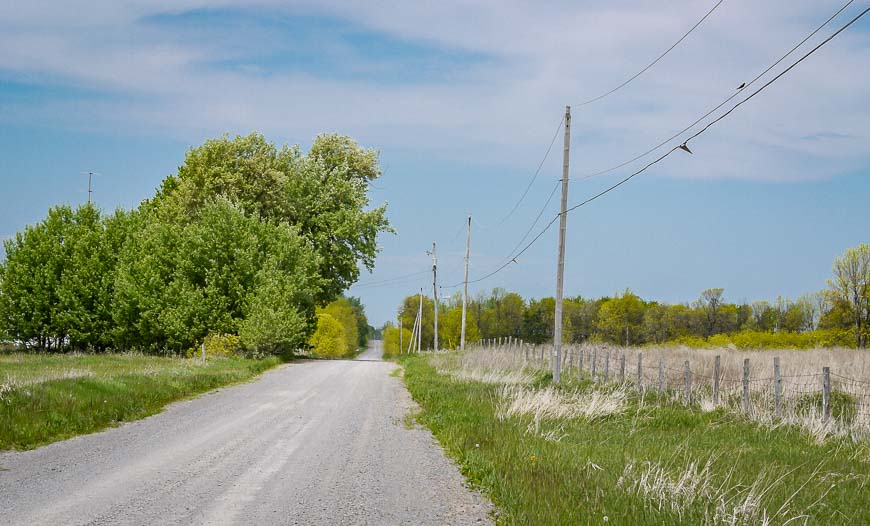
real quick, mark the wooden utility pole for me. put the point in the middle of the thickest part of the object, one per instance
(435, 290)
(465, 288)
(420, 323)
(560, 272)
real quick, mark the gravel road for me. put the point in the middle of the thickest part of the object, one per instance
(313, 442)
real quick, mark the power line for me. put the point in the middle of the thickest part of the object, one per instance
(534, 177)
(721, 104)
(511, 255)
(654, 62)
(389, 281)
(672, 150)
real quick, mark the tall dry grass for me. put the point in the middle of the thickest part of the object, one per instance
(664, 369)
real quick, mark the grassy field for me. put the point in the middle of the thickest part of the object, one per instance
(584, 453)
(45, 398)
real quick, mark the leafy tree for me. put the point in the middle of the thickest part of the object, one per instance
(363, 327)
(450, 328)
(620, 319)
(393, 342)
(711, 302)
(175, 284)
(343, 312)
(851, 286)
(328, 340)
(322, 194)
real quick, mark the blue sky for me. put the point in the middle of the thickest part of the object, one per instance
(462, 100)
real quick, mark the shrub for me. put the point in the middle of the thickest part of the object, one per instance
(328, 340)
(218, 345)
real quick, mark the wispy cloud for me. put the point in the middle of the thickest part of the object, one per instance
(449, 77)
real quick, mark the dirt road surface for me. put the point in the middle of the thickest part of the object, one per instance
(313, 442)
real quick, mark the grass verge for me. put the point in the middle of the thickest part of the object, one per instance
(46, 398)
(640, 461)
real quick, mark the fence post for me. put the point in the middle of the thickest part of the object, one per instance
(777, 388)
(688, 382)
(639, 371)
(662, 374)
(580, 365)
(622, 368)
(203, 351)
(607, 367)
(717, 367)
(826, 393)
(746, 385)
(594, 363)
(570, 359)
(542, 353)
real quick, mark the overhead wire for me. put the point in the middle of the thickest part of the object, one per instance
(654, 62)
(721, 104)
(672, 150)
(532, 182)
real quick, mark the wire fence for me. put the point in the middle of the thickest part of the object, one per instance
(789, 387)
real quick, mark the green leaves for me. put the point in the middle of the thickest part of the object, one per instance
(245, 239)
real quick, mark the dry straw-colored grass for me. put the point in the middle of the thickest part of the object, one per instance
(801, 373)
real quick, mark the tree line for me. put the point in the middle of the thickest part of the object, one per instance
(839, 315)
(246, 239)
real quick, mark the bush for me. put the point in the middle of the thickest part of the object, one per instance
(750, 339)
(328, 340)
(218, 345)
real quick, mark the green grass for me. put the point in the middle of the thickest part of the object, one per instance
(534, 481)
(45, 398)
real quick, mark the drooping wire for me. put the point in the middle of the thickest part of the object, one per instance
(534, 178)
(653, 63)
(672, 150)
(390, 281)
(721, 104)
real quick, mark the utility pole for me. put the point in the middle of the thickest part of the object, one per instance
(435, 289)
(420, 323)
(465, 288)
(560, 272)
(90, 185)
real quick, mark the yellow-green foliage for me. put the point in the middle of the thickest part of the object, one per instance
(773, 340)
(328, 340)
(221, 345)
(342, 312)
(392, 341)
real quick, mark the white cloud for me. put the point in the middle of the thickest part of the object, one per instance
(541, 56)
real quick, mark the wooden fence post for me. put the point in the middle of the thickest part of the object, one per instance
(580, 365)
(717, 367)
(746, 385)
(777, 388)
(203, 351)
(639, 371)
(826, 393)
(688, 382)
(662, 374)
(607, 367)
(594, 363)
(622, 368)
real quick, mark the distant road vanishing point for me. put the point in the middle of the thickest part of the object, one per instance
(311, 442)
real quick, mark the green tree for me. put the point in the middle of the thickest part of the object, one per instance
(322, 194)
(328, 340)
(620, 320)
(851, 286)
(177, 283)
(343, 311)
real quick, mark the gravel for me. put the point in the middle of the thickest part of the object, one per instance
(312, 442)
